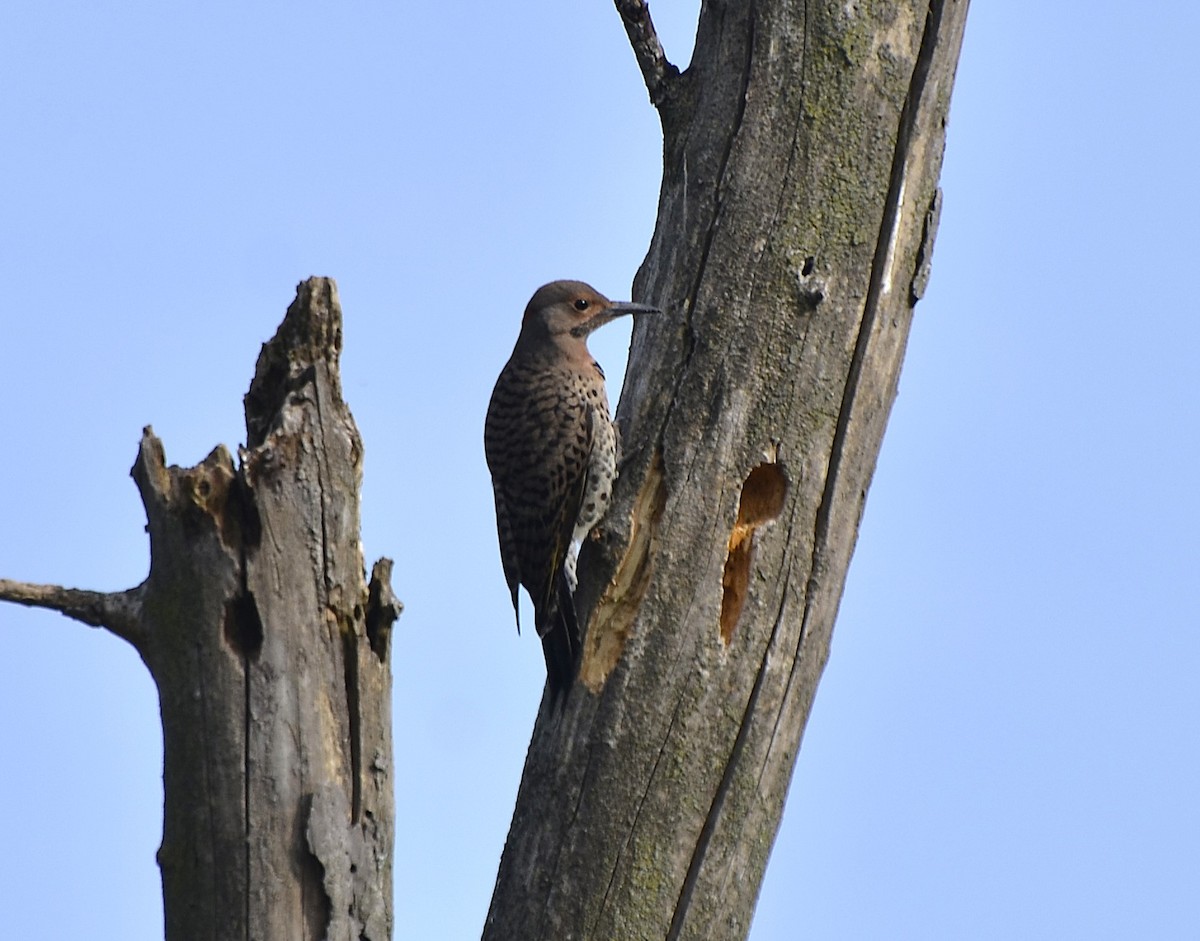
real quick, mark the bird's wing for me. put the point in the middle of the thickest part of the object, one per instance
(568, 512)
(508, 550)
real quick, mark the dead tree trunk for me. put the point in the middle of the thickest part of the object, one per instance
(799, 202)
(270, 654)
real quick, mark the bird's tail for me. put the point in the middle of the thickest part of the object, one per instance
(561, 642)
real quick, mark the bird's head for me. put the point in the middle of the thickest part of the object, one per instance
(566, 311)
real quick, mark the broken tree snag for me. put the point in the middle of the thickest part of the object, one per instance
(270, 655)
(276, 705)
(801, 152)
(195, 576)
(317, 696)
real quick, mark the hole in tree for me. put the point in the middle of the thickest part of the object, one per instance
(763, 496)
(243, 626)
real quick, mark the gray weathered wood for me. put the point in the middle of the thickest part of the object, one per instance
(270, 654)
(802, 150)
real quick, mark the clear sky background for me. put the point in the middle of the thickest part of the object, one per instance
(1005, 743)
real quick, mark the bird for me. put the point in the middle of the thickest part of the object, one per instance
(551, 448)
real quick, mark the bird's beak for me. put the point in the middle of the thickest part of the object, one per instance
(611, 313)
(620, 308)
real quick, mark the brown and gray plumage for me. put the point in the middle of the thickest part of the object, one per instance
(552, 450)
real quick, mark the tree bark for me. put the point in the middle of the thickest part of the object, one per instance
(270, 654)
(799, 202)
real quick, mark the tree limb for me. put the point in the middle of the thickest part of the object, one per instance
(652, 60)
(119, 612)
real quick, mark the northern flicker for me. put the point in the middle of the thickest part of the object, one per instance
(552, 450)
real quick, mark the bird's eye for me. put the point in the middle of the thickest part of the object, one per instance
(581, 304)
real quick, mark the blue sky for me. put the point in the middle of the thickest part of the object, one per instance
(1005, 741)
